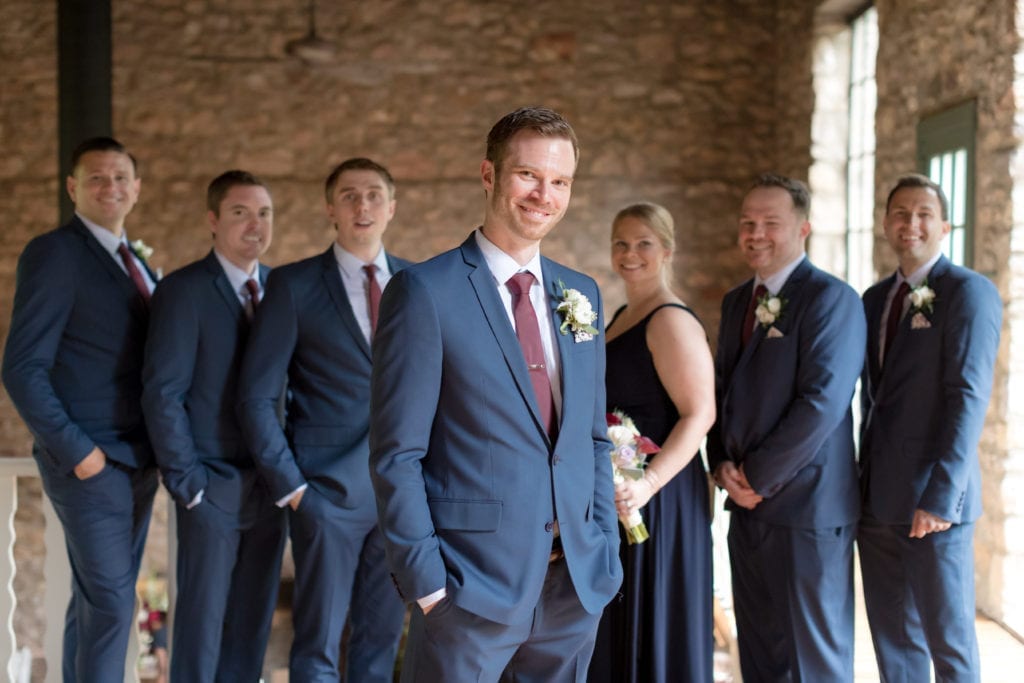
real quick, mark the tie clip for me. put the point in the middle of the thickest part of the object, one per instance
(535, 366)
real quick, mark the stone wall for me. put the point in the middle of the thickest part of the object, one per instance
(673, 101)
(28, 205)
(934, 54)
(677, 102)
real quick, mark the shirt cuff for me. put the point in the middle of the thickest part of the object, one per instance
(287, 499)
(428, 600)
(197, 500)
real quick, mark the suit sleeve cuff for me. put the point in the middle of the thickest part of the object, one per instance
(435, 597)
(287, 499)
(197, 500)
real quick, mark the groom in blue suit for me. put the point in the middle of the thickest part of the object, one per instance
(314, 332)
(489, 454)
(933, 334)
(230, 534)
(790, 348)
(73, 369)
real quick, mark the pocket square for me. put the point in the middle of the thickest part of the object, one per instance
(774, 333)
(919, 322)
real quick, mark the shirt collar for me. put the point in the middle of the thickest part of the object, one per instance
(107, 239)
(502, 265)
(773, 283)
(351, 264)
(915, 279)
(236, 276)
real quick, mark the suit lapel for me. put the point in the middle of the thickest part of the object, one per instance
(563, 342)
(790, 293)
(874, 304)
(223, 287)
(934, 280)
(106, 260)
(482, 282)
(336, 289)
(737, 316)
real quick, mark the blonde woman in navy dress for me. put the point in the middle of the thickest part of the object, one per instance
(660, 373)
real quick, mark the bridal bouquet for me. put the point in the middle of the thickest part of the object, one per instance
(629, 457)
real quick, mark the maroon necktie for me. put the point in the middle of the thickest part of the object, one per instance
(254, 292)
(748, 319)
(892, 325)
(133, 271)
(372, 295)
(528, 333)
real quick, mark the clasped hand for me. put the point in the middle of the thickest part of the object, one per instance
(734, 481)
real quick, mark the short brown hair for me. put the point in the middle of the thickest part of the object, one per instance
(918, 180)
(358, 164)
(541, 120)
(101, 144)
(219, 187)
(798, 191)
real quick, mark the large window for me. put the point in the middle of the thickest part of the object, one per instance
(945, 149)
(860, 165)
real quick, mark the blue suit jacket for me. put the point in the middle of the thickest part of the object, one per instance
(923, 416)
(784, 402)
(467, 482)
(73, 361)
(306, 333)
(197, 336)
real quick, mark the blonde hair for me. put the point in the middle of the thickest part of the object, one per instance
(655, 217)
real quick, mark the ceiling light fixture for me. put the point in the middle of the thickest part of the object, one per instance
(311, 48)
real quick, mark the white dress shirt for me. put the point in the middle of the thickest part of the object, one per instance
(110, 242)
(503, 267)
(237, 278)
(353, 277)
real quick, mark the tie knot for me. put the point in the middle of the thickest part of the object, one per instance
(371, 270)
(760, 291)
(901, 292)
(253, 289)
(123, 250)
(520, 283)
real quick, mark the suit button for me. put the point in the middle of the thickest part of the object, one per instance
(550, 526)
(555, 459)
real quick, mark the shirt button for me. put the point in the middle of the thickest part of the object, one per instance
(550, 526)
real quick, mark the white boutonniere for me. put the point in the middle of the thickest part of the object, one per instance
(577, 314)
(769, 309)
(141, 249)
(921, 298)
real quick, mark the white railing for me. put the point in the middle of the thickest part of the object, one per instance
(15, 661)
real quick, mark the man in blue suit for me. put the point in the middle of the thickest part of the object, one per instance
(790, 348)
(933, 334)
(314, 331)
(488, 447)
(73, 369)
(230, 534)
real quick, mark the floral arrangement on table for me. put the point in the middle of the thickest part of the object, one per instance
(629, 458)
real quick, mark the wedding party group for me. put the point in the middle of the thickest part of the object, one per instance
(469, 439)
